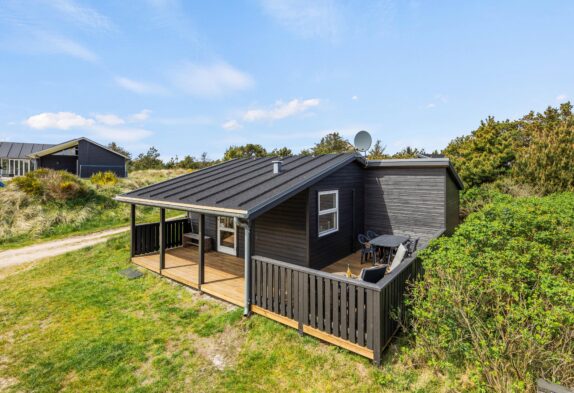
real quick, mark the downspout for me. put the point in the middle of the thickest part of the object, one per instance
(247, 270)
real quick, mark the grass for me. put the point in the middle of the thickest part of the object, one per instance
(25, 219)
(72, 324)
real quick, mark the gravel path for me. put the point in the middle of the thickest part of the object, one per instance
(55, 247)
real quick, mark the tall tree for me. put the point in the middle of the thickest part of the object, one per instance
(281, 152)
(487, 153)
(545, 155)
(149, 160)
(332, 143)
(246, 151)
(377, 152)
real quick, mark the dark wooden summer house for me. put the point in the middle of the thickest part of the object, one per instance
(280, 237)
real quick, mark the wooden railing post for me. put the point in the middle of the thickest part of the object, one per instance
(377, 316)
(201, 264)
(133, 228)
(161, 239)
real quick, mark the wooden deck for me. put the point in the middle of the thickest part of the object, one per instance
(353, 261)
(223, 273)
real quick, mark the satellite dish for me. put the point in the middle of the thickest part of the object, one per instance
(363, 141)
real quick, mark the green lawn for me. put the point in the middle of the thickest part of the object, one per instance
(72, 323)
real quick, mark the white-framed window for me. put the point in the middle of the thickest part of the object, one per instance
(328, 212)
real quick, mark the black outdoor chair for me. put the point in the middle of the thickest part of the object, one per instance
(372, 234)
(366, 249)
(412, 246)
(373, 274)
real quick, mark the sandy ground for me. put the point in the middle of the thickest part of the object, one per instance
(49, 249)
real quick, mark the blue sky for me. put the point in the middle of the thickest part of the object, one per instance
(189, 77)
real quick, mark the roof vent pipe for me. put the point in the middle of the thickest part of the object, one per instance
(277, 167)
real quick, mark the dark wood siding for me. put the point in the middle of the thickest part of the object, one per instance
(405, 199)
(92, 158)
(281, 232)
(332, 247)
(452, 205)
(59, 162)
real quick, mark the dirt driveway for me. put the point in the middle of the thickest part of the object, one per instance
(55, 247)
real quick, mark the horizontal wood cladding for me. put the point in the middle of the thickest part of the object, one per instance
(332, 247)
(281, 232)
(452, 205)
(405, 199)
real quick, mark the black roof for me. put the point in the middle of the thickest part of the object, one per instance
(20, 150)
(243, 187)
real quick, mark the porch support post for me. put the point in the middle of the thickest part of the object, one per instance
(247, 272)
(161, 239)
(201, 264)
(133, 228)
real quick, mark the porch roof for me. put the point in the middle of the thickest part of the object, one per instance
(242, 188)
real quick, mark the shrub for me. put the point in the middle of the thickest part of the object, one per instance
(103, 179)
(498, 296)
(50, 185)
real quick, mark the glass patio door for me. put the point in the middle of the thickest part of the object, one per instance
(226, 235)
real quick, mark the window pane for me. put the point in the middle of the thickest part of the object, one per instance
(327, 201)
(227, 239)
(327, 222)
(226, 222)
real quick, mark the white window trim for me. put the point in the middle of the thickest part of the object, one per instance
(328, 211)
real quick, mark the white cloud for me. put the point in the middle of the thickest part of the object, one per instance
(231, 125)
(139, 87)
(431, 105)
(281, 110)
(105, 126)
(109, 119)
(438, 99)
(561, 97)
(321, 18)
(210, 80)
(58, 44)
(140, 116)
(354, 98)
(82, 15)
(58, 120)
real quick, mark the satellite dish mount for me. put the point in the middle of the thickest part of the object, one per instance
(363, 141)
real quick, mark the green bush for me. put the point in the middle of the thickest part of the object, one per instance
(104, 179)
(51, 186)
(497, 299)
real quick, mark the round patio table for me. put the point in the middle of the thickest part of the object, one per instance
(388, 241)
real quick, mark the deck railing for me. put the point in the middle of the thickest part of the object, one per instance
(146, 236)
(360, 313)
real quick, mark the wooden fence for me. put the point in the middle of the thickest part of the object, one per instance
(145, 238)
(345, 310)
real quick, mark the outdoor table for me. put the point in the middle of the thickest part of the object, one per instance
(388, 241)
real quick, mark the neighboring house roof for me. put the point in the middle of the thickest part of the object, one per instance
(243, 187)
(419, 162)
(51, 149)
(20, 150)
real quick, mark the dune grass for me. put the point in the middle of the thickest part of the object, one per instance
(73, 324)
(26, 218)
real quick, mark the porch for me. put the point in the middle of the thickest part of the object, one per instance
(223, 274)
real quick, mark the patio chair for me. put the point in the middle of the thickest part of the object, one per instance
(373, 274)
(412, 246)
(366, 249)
(399, 256)
(372, 234)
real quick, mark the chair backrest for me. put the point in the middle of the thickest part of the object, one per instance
(372, 234)
(373, 274)
(414, 245)
(362, 239)
(398, 257)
